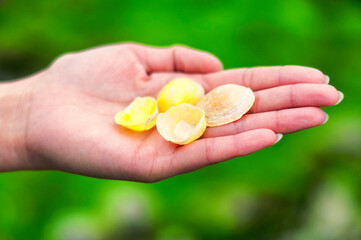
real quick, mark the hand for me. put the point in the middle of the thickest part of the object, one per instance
(70, 120)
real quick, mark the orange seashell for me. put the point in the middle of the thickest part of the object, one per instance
(226, 103)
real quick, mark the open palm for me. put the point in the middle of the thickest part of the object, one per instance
(71, 128)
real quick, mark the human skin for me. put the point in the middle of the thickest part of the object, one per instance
(62, 118)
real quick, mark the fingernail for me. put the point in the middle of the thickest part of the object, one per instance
(340, 97)
(221, 68)
(278, 137)
(327, 79)
(326, 118)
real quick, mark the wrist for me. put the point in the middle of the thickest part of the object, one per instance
(15, 103)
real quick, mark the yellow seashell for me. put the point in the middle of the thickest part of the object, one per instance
(177, 91)
(182, 124)
(226, 103)
(139, 115)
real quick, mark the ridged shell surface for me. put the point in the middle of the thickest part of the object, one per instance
(226, 103)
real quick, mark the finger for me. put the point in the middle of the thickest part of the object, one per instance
(291, 96)
(213, 150)
(282, 121)
(258, 78)
(176, 59)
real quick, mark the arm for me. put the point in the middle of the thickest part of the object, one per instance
(14, 109)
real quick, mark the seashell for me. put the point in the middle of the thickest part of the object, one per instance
(182, 124)
(226, 103)
(177, 91)
(139, 115)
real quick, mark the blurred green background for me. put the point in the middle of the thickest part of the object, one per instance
(308, 186)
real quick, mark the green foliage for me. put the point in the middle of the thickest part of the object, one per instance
(305, 187)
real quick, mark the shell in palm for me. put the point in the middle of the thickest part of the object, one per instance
(139, 115)
(178, 91)
(182, 124)
(226, 103)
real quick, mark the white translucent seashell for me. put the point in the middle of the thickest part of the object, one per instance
(182, 124)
